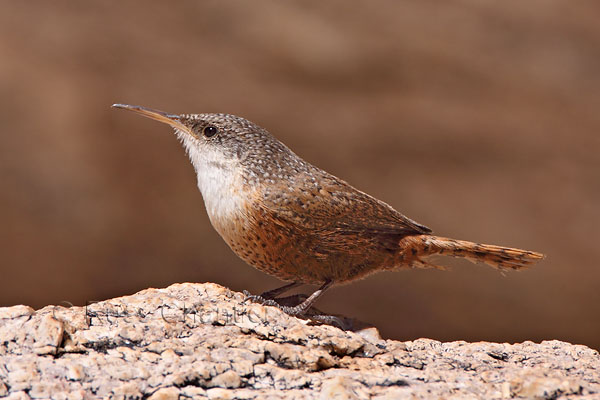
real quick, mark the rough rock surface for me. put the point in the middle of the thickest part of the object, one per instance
(201, 340)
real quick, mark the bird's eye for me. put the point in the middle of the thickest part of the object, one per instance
(210, 131)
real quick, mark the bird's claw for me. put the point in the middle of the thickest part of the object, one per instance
(271, 302)
(251, 297)
(258, 299)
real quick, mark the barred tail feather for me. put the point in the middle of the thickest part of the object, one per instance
(504, 258)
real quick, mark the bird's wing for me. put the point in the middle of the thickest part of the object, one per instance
(333, 206)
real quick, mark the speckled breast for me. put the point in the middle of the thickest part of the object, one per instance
(292, 254)
(260, 242)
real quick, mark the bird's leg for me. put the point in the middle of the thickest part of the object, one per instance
(270, 294)
(305, 305)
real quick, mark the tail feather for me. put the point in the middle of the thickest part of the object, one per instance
(504, 258)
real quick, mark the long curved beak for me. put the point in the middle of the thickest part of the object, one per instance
(172, 119)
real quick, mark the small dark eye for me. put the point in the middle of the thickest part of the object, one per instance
(210, 131)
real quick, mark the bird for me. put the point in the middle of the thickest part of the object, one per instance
(299, 223)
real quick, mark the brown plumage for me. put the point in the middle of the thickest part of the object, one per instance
(299, 223)
(418, 248)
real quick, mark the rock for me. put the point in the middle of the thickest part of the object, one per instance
(168, 393)
(202, 340)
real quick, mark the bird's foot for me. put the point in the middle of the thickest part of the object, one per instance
(330, 320)
(291, 305)
(254, 297)
(297, 309)
(294, 305)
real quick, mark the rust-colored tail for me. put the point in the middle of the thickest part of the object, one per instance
(418, 247)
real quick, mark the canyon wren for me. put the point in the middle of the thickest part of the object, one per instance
(294, 221)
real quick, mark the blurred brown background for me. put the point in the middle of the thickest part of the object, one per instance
(478, 119)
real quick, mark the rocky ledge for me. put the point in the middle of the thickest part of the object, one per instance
(202, 340)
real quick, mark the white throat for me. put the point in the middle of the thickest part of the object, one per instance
(219, 180)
